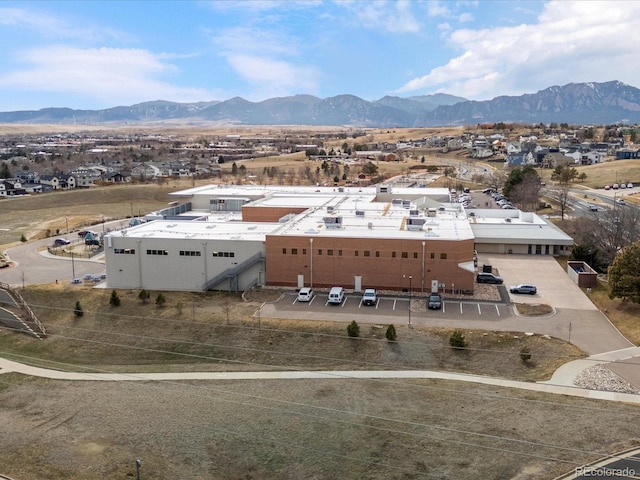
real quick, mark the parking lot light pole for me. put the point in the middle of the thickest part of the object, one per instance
(73, 268)
(410, 286)
(138, 465)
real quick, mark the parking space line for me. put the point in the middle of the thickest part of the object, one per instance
(479, 310)
(461, 310)
(497, 310)
(394, 303)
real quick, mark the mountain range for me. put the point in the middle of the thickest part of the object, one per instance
(575, 103)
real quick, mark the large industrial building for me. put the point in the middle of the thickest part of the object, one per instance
(231, 237)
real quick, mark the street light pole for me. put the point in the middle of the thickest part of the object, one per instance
(410, 280)
(138, 465)
(73, 268)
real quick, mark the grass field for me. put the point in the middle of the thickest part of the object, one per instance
(274, 429)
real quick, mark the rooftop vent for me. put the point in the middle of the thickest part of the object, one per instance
(359, 213)
(332, 222)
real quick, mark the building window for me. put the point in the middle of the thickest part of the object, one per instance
(223, 254)
(304, 251)
(124, 251)
(367, 253)
(319, 252)
(157, 252)
(356, 253)
(393, 254)
(432, 255)
(284, 251)
(377, 253)
(415, 254)
(405, 254)
(189, 253)
(294, 251)
(443, 256)
(330, 252)
(339, 253)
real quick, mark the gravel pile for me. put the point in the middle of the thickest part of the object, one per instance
(601, 378)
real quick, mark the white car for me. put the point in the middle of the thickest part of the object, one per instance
(369, 297)
(629, 185)
(305, 294)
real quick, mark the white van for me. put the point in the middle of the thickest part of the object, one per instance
(336, 295)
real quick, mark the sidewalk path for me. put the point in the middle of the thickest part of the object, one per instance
(11, 366)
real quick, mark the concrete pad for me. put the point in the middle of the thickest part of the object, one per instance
(555, 288)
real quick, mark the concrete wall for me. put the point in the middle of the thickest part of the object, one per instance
(174, 271)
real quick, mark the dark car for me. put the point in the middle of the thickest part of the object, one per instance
(524, 288)
(61, 241)
(435, 301)
(489, 278)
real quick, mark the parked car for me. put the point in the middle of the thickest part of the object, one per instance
(369, 297)
(435, 301)
(489, 278)
(629, 185)
(61, 241)
(607, 187)
(593, 208)
(83, 233)
(620, 201)
(305, 294)
(524, 288)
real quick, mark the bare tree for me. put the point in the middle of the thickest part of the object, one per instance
(561, 193)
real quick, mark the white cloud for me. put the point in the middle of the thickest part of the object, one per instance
(570, 41)
(466, 17)
(391, 16)
(438, 9)
(104, 74)
(262, 59)
(51, 26)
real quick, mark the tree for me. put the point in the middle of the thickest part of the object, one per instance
(114, 301)
(369, 168)
(4, 170)
(561, 194)
(523, 186)
(353, 329)
(234, 169)
(391, 334)
(144, 295)
(77, 310)
(457, 340)
(160, 300)
(525, 355)
(624, 274)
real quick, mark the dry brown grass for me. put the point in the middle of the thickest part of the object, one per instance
(533, 309)
(281, 429)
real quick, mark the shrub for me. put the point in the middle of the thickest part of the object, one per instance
(160, 300)
(77, 310)
(391, 333)
(144, 295)
(525, 354)
(23, 238)
(457, 340)
(353, 329)
(114, 301)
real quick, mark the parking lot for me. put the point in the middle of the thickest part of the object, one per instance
(391, 306)
(554, 286)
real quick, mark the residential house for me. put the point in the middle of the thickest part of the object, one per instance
(556, 159)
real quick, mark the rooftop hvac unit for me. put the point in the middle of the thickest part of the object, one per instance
(415, 223)
(414, 213)
(370, 225)
(508, 220)
(432, 212)
(406, 203)
(330, 209)
(359, 213)
(332, 222)
(396, 201)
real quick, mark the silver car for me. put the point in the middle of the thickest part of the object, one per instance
(524, 288)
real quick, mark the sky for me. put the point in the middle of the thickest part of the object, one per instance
(101, 54)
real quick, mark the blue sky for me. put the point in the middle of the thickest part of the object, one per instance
(101, 54)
